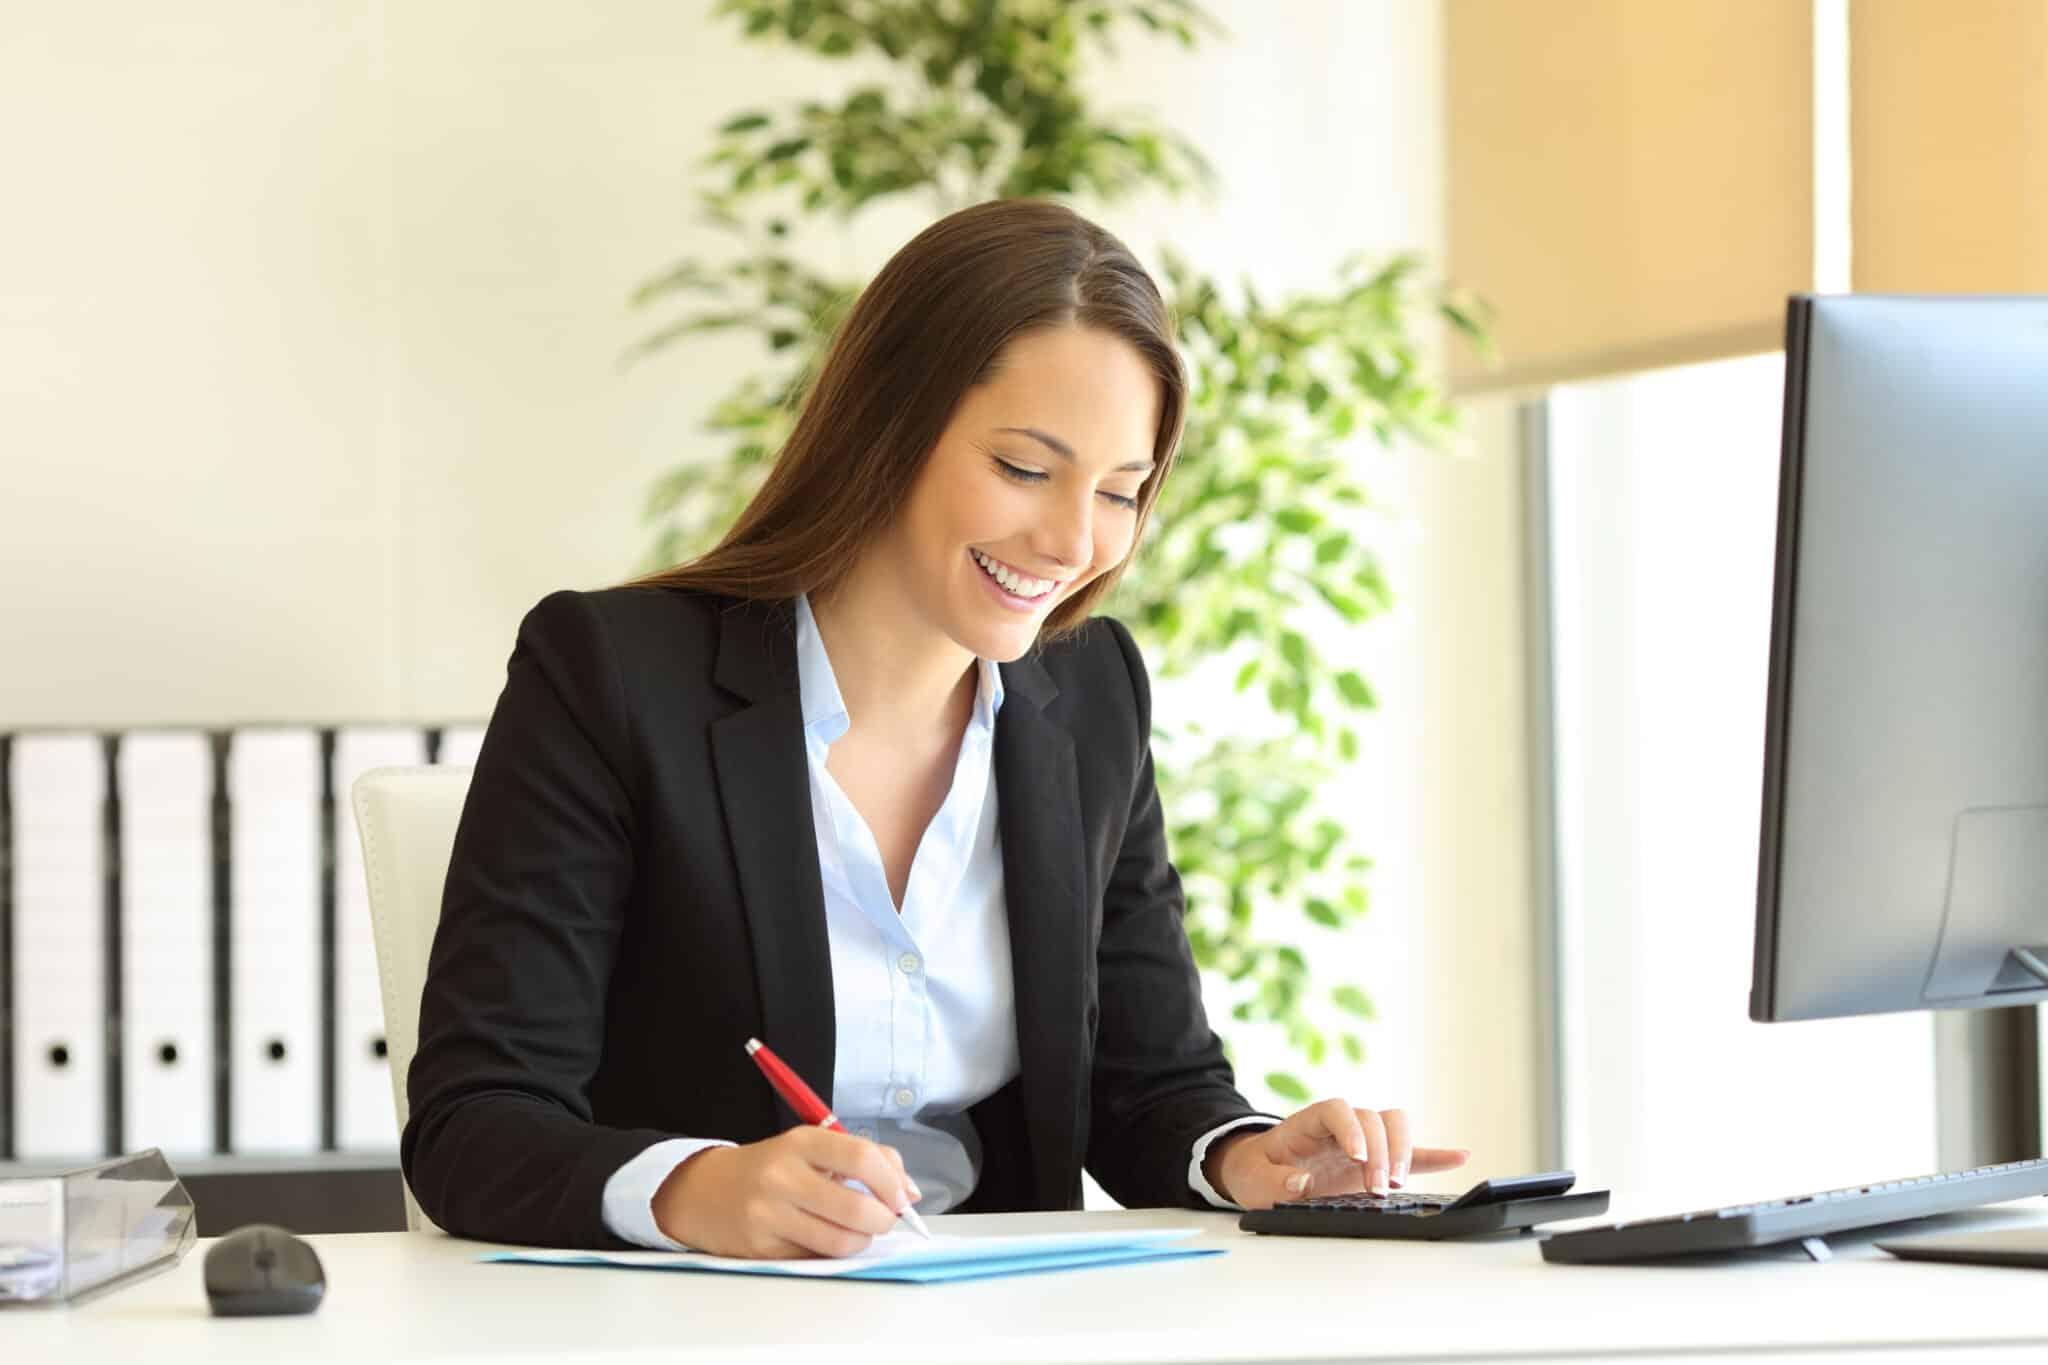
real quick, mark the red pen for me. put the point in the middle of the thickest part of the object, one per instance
(811, 1109)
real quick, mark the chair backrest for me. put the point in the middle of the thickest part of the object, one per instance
(406, 819)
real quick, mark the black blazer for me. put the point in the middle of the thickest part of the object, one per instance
(634, 891)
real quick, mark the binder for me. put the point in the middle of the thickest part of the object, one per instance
(166, 848)
(459, 745)
(274, 976)
(60, 1039)
(364, 1117)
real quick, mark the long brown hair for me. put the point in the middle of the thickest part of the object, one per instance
(931, 326)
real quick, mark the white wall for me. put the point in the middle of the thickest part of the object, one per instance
(310, 341)
(1482, 1042)
(313, 312)
(310, 316)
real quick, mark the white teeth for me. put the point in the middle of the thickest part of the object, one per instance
(1013, 582)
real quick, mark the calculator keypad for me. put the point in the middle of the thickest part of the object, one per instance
(1410, 1203)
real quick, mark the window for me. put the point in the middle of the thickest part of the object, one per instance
(1662, 493)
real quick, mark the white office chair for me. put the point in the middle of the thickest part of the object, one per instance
(406, 818)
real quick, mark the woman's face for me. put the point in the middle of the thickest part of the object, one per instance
(1031, 492)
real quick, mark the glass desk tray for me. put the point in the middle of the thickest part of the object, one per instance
(68, 1236)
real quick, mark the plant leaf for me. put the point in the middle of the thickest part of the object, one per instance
(1355, 690)
(1287, 1086)
(1354, 1001)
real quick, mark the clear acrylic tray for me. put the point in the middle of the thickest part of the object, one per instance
(69, 1236)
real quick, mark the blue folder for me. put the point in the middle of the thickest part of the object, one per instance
(901, 1258)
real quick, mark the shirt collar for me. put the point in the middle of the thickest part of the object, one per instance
(825, 715)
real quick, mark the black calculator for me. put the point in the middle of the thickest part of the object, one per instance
(1516, 1202)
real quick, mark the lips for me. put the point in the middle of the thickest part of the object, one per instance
(1010, 580)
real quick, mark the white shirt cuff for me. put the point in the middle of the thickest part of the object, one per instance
(1198, 1182)
(629, 1194)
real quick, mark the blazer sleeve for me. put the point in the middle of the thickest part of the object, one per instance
(1160, 1080)
(500, 1144)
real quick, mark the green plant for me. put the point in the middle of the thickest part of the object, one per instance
(1261, 540)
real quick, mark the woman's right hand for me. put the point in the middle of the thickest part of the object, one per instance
(784, 1197)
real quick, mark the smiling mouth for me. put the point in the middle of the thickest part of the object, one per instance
(1010, 580)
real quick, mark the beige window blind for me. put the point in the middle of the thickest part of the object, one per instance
(1948, 130)
(1630, 181)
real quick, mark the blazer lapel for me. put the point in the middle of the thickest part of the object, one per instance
(1039, 801)
(764, 787)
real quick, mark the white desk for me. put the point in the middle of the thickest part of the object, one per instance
(401, 1296)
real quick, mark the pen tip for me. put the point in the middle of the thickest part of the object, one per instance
(753, 1046)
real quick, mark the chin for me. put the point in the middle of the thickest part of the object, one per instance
(994, 635)
(1011, 650)
(996, 644)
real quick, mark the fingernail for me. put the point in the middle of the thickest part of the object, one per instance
(1400, 1171)
(1379, 1182)
(915, 1192)
(1297, 1183)
(1359, 1154)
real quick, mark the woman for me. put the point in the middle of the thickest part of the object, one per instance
(864, 782)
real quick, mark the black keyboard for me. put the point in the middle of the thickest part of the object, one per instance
(1739, 1227)
(1489, 1206)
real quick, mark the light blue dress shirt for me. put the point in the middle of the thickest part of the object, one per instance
(924, 1002)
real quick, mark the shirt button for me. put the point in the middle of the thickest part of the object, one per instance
(909, 962)
(904, 1097)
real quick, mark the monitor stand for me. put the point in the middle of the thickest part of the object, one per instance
(2024, 969)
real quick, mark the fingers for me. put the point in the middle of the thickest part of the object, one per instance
(767, 1246)
(1379, 1142)
(1427, 1159)
(1400, 1150)
(1376, 1164)
(811, 1204)
(804, 1192)
(852, 1210)
(1257, 1175)
(816, 1236)
(1360, 1134)
(873, 1165)
(1339, 1123)
(916, 1195)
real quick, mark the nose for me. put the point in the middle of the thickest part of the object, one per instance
(1068, 535)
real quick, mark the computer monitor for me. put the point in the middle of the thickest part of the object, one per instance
(1904, 860)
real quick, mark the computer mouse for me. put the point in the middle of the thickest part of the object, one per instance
(259, 1270)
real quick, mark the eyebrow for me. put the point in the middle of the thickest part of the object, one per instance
(1066, 452)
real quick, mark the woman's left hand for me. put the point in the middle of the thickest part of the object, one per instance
(1327, 1148)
